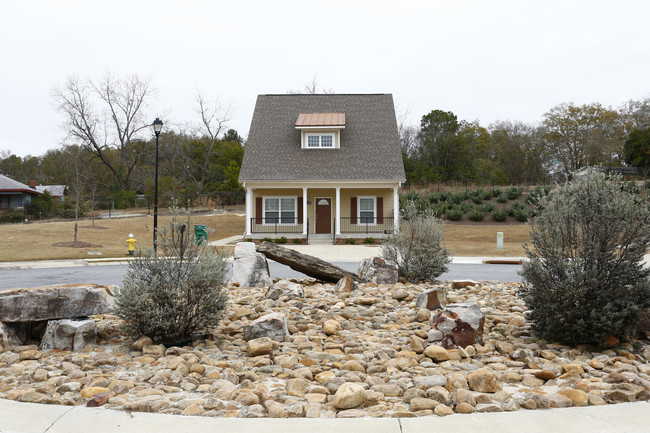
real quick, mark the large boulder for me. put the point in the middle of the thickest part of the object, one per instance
(377, 270)
(243, 248)
(458, 325)
(432, 299)
(285, 287)
(69, 334)
(11, 334)
(273, 325)
(56, 302)
(251, 269)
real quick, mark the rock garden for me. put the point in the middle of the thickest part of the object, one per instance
(307, 349)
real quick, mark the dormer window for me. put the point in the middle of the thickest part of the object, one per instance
(320, 130)
(320, 139)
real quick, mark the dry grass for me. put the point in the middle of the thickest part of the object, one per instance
(53, 240)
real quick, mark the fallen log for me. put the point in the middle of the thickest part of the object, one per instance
(308, 265)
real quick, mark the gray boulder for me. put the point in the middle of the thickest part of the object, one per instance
(56, 302)
(458, 325)
(273, 325)
(243, 248)
(12, 334)
(69, 334)
(432, 299)
(251, 270)
(377, 270)
(287, 288)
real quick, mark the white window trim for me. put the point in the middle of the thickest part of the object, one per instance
(295, 210)
(374, 210)
(306, 135)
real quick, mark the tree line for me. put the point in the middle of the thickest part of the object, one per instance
(109, 147)
(568, 138)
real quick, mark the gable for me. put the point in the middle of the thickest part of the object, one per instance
(369, 142)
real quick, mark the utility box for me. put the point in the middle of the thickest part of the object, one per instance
(200, 233)
(499, 240)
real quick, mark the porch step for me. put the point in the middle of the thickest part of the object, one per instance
(320, 240)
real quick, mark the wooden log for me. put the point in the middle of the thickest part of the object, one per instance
(308, 265)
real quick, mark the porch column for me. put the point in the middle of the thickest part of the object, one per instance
(338, 211)
(249, 209)
(396, 209)
(304, 210)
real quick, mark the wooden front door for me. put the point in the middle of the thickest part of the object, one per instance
(323, 215)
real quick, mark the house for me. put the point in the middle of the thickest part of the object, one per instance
(58, 192)
(322, 166)
(15, 194)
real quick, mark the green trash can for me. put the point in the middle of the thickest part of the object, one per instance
(200, 233)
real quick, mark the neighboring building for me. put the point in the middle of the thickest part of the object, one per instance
(327, 165)
(15, 194)
(57, 192)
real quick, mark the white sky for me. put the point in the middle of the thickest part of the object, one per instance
(483, 60)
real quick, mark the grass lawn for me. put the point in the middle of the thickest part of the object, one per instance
(53, 240)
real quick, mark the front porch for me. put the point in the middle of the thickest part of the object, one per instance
(334, 212)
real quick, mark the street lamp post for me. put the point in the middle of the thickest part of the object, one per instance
(157, 127)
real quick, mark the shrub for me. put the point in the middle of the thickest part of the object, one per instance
(281, 240)
(630, 187)
(465, 207)
(496, 192)
(10, 216)
(502, 199)
(455, 214)
(514, 192)
(488, 207)
(415, 248)
(413, 197)
(500, 215)
(369, 241)
(176, 293)
(585, 277)
(297, 241)
(476, 215)
(267, 239)
(351, 241)
(521, 215)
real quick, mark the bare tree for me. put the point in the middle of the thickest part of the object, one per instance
(77, 178)
(214, 120)
(105, 118)
(311, 88)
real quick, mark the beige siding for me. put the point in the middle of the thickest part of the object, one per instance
(346, 194)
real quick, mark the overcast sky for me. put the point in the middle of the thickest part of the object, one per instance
(483, 60)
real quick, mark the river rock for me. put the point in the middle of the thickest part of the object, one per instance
(62, 301)
(483, 380)
(377, 270)
(346, 284)
(259, 346)
(349, 395)
(69, 334)
(272, 325)
(459, 325)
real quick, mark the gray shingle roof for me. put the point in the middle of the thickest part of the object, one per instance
(369, 143)
(8, 184)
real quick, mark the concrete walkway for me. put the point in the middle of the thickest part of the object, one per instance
(36, 418)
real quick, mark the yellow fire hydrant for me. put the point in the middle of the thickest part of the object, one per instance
(131, 241)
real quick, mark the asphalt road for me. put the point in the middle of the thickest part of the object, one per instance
(114, 273)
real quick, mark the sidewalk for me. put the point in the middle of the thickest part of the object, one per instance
(32, 418)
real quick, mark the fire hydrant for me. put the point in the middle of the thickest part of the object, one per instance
(131, 241)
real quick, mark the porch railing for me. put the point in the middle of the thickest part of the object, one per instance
(367, 225)
(276, 225)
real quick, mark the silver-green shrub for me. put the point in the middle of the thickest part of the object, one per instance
(415, 248)
(585, 278)
(176, 293)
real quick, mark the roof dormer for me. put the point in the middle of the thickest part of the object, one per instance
(320, 130)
